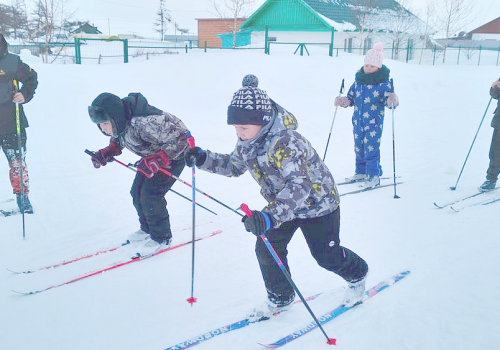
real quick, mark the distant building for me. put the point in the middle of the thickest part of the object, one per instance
(86, 28)
(348, 23)
(488, 31)
(209, 30)
(486, 37)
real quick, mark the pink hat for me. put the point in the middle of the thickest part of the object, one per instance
(375, 56)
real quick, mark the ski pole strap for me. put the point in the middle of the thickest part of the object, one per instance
(392, 85)
(342, 87)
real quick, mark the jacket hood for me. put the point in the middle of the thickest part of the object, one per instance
(118, 111)
(4, 47)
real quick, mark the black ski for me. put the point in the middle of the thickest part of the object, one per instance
(457, 201)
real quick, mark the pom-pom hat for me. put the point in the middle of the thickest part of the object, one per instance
(375, 56)
(250, 105)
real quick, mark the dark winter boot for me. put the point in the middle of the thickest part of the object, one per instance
(24, 204)
(488, 185)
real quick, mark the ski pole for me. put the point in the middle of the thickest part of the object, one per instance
(477, 132)
(166, 172)
(248, 212)
(190, 140)
(393, 146)
(21, 153)
(333, 121)
(131, 167)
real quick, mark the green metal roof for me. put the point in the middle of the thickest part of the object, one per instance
(307, 15)
(286, 15)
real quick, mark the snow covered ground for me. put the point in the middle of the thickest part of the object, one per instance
(447, 302)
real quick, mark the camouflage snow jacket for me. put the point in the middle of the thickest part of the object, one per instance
(293, 178)
(144, 135)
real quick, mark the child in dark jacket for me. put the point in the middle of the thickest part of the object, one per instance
(494, 167)
(12, 141)
(299, 188)
(159, 138)
(369, 95)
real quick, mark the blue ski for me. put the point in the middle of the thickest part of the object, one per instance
(222, 330)
(336, 312)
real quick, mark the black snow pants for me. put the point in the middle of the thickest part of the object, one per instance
(494, 167)
(148, 196)
(322, 236)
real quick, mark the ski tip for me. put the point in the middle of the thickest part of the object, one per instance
(191, 300)
(268, 346)
(331, 341)
(453, 188)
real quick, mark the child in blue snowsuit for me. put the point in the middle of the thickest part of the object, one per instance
(369, 95)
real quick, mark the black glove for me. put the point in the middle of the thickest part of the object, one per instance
(105, 155)
(260, 222)
(195, 156)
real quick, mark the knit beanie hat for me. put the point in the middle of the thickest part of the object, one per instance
(3, 46)
(109, 107)
(375, 56)
(250, 105)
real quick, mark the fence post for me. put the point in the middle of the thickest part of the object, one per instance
(266, 43)
(186, 48)
(407, 52)
(458, 59)
(99, 60)
(78, 53)
(330, 50)
(392, 51)
(434, 59)
(125, 50)
(479, 61)
(205, 46)
(498, 54)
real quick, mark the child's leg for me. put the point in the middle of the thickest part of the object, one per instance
(17, 161)
(359, 149)
(322, 236)
(149, 200)
(279, 290)
(135, 192)
(494, 167)
(373, 135)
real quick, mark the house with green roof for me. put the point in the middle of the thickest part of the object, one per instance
(347, 23)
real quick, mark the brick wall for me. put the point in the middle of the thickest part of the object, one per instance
(208, 28)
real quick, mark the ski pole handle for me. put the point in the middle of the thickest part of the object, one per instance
(341, 88)
(190, 140)
(244, 208)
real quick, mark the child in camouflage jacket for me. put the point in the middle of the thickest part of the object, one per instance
(299, 188)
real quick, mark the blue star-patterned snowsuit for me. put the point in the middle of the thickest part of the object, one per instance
(369, 95)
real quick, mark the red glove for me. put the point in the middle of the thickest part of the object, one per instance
(105, 155)
(151, 164)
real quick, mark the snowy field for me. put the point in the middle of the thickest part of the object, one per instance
(446, 303)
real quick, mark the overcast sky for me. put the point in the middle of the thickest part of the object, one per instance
(133, 16)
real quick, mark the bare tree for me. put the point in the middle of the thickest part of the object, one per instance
(452, 15)
(232, 9)
(12, 19)
(363, 11)
(428, 14)
(402, 26)
(162, 18)
(49, 15)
